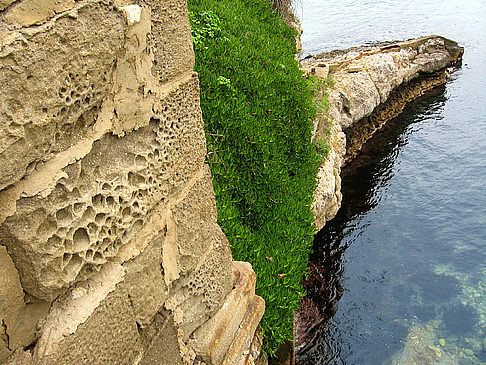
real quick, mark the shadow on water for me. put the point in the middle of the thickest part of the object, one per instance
(362, 179)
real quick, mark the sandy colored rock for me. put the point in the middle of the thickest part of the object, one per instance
(110, 251)
(98, 204)
(11, 294)
(20, 357)
(163, 347)
(108, 336)
(364, 77)
(30, 12)
(214, 338)
(144, 282)
(171, 38)
(196, 218)
(238, 353)
(328, 196)
(5, 3)
(370, 85)
(205, 287)
(50, 99)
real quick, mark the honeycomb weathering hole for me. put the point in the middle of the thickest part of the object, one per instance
(81, 239)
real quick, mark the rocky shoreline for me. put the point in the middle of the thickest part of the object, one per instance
(366, 87)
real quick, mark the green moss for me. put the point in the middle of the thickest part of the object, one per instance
(258, 113)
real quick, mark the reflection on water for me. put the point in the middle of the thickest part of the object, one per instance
(403, 300)
(399, 276)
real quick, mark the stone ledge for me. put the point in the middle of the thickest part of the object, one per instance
(225, 337)
(369, 85)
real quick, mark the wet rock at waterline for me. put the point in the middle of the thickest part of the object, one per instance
(366, 87)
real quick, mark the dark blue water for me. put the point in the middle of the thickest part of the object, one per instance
(399, 276)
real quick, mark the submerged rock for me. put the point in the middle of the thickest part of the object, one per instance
(420, 348)
(460, 319)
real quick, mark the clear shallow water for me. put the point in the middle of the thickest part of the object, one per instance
(405, 259)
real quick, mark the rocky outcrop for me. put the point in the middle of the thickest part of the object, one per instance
(327, 196)
(110, 250)
(367, 86)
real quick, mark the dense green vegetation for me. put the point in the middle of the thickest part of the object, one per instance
(258, 113)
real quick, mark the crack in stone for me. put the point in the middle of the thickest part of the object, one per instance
(4, 336)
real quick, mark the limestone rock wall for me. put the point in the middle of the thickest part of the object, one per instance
(369, 85)
(109, 247)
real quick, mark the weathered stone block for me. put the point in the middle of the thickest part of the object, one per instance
(108, 336)
(163, 347)
(207, 286)
(214, 338)
(238, 353)
(170, 39)
(196, 218)
(52, 82)
(144, 282)
(102, 200)
(5, 3)
(18, 321)
(29, 12)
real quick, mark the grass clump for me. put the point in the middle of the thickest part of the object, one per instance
(258, 112)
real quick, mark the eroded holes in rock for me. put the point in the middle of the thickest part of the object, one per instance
(68, 99)
(137, 226)
(61, 231)
(126, 213)
(76, 193)
(110, 201)
(66, 258)
(92, 229)
(61, 189)
(74, 264)
(156, 153)
(106, 187)
(78, 208)
(97, 201)
(89, 214)
(135, 205)
(68, 245)
(100, 218)
(97, 258)
(47, 228)
(53, 243)
(89, 255)
(120, 200)
(135, 179)
(141, 161)
(105, 243)
(81, 239)
(64, 216)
